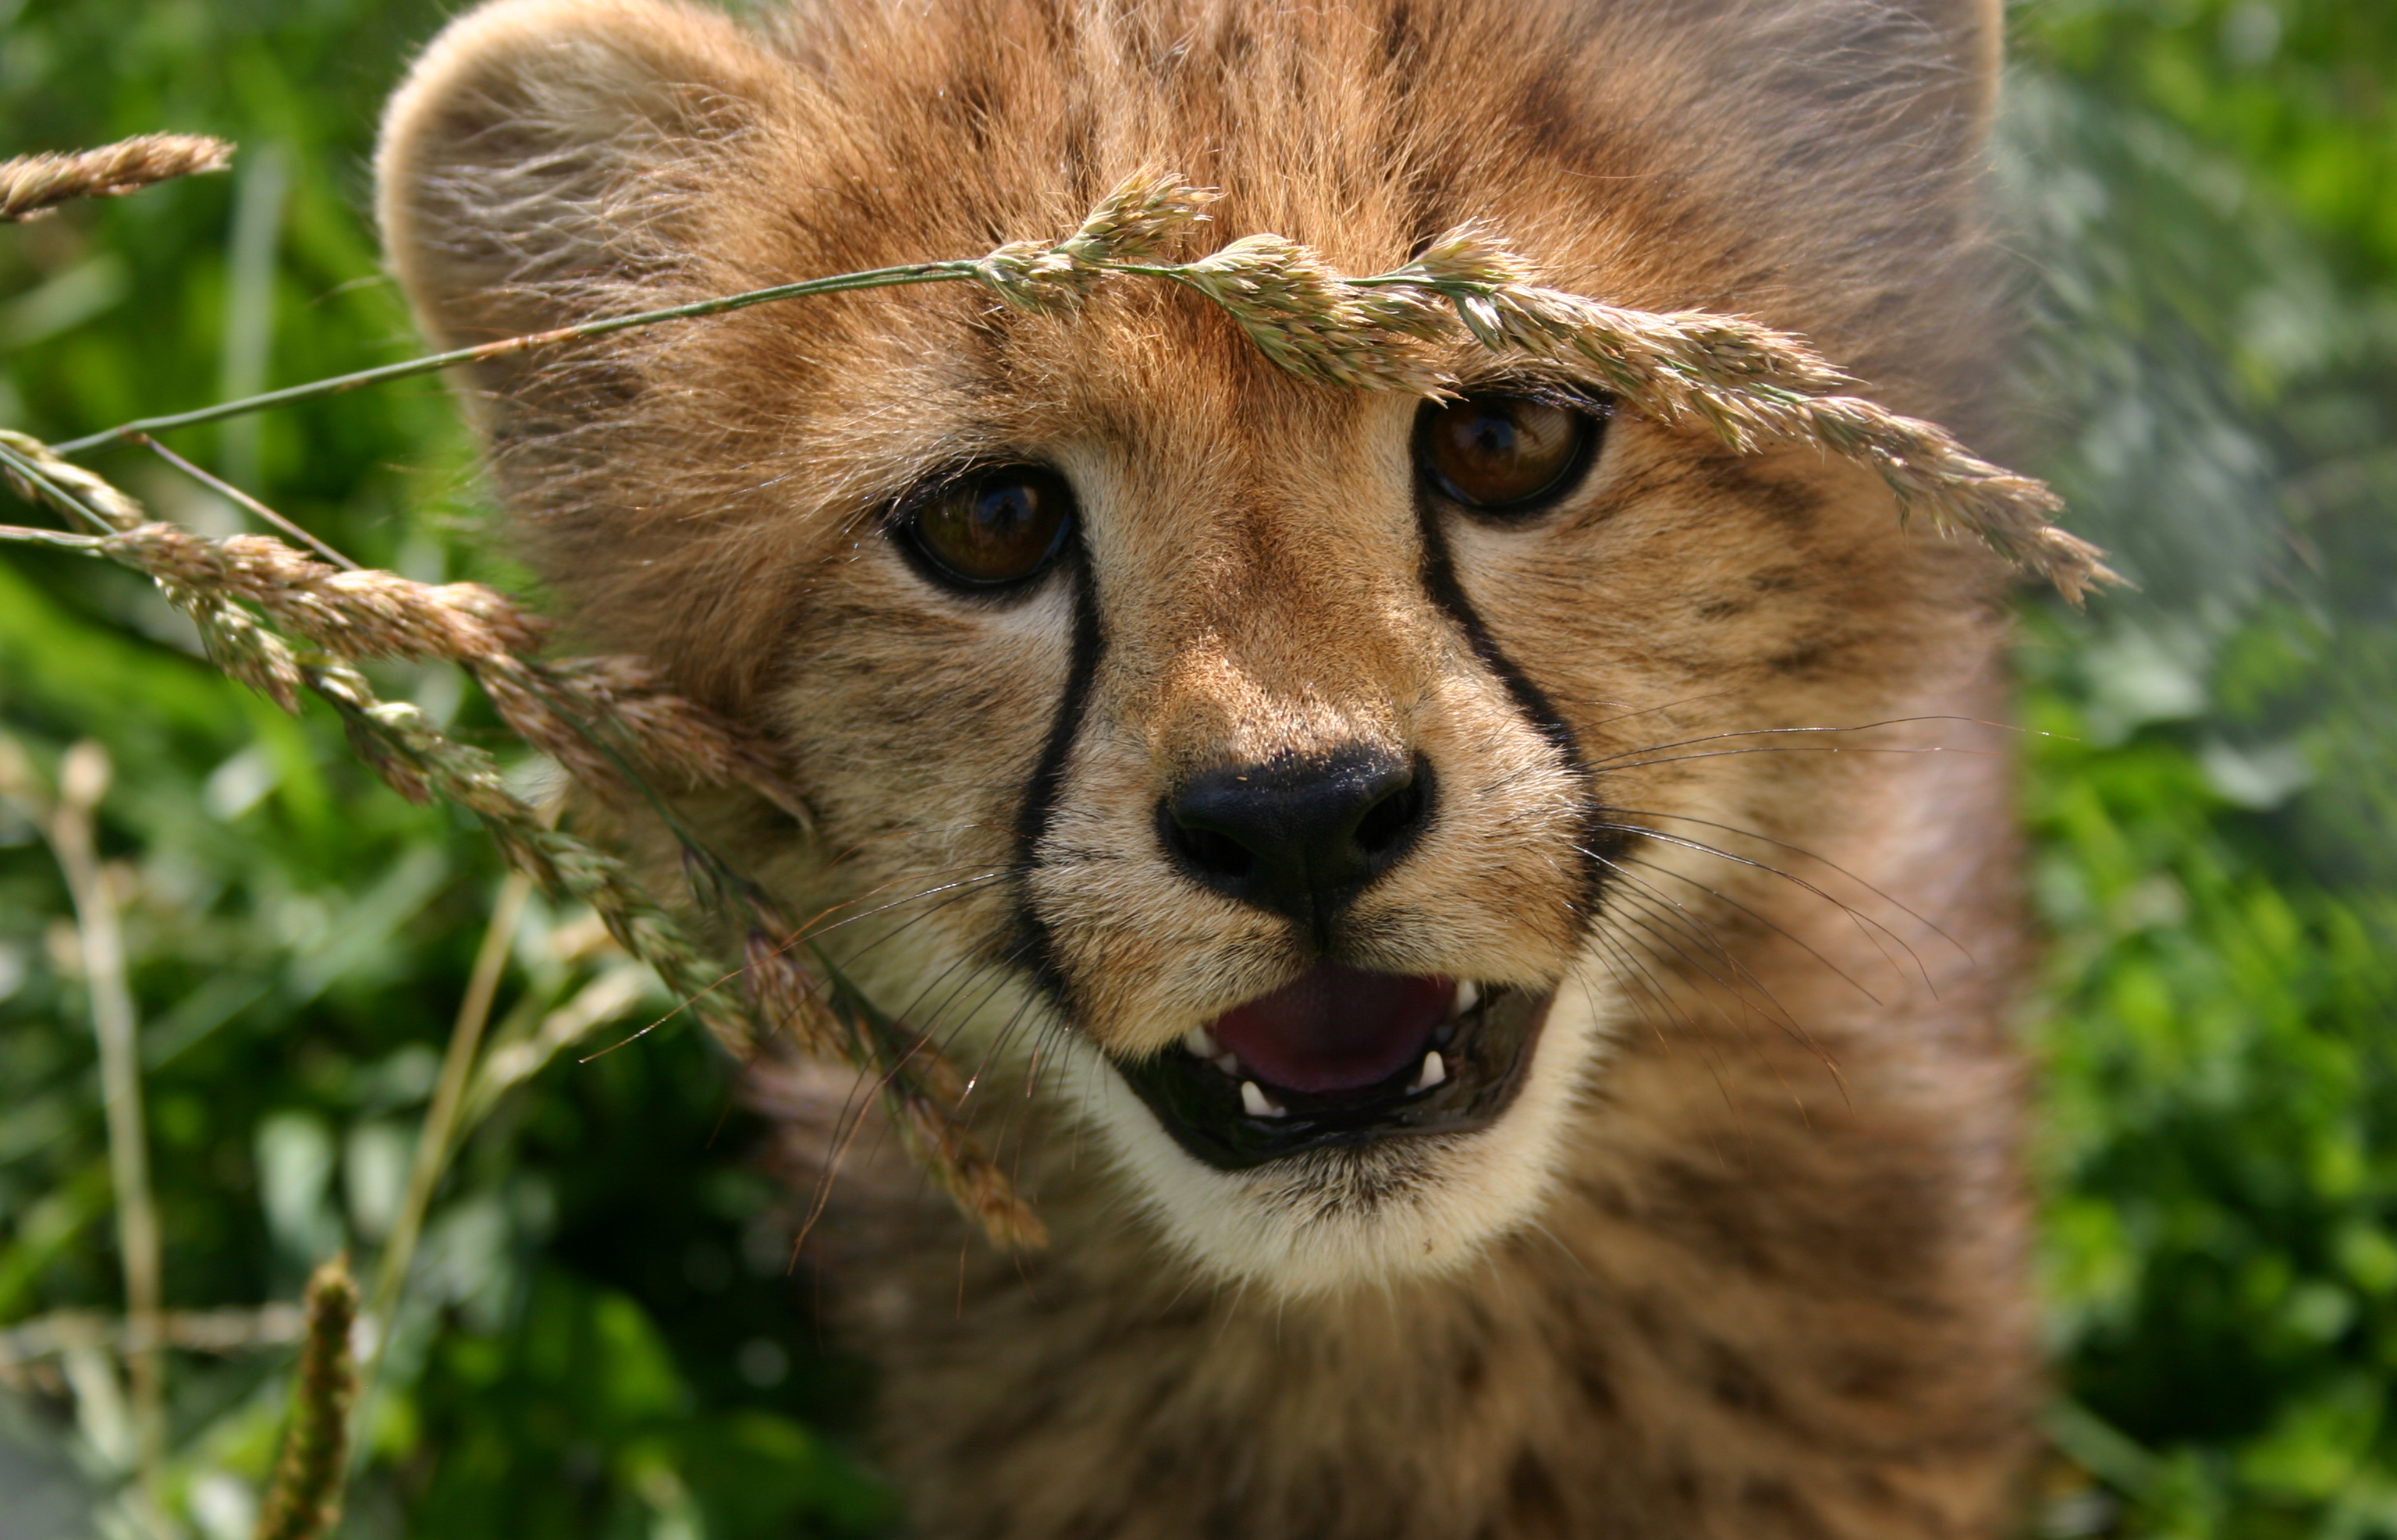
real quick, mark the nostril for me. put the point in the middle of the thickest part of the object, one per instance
(1218, 855)
(1392, 819)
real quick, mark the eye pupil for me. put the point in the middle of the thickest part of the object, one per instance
(1503, 453)
(996, 526)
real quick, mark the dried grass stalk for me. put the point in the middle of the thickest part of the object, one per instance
(1130, 225)
(1313, 322)
(226, 1331)
(922, 1093)
(68, 822)
(31, 186)
(1752, 387)
(608, 720)
(372, 615)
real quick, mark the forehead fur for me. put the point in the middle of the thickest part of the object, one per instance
(1805, 162)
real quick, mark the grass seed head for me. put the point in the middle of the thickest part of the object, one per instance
(1312, 322)
(1130, 225)
(31, 186)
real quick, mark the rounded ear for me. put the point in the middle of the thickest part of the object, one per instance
(1920, 77)
(1976, 35)
(536, 163)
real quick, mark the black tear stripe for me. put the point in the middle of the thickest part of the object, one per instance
(1597, 847)
(1088, 647)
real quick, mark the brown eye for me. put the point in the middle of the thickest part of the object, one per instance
(992, 527)
(1503, 453)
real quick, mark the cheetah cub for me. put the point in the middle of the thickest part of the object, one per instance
(1482, 923)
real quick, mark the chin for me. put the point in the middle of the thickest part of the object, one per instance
(1304, 1191)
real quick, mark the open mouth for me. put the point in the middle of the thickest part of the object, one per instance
(1340, 1056)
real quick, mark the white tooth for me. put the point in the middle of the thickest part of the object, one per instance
(1200, 1042)
(1468, 995)
(1434, 1072)
(1256, 1102)
(1229, 1064)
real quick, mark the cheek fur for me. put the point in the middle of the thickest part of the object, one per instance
(915, 722)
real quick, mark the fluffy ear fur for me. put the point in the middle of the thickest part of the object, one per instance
(1975, 32)
(541, 148)
(1844, 140)
(1954, 49)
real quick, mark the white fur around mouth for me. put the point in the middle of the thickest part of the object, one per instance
(1331, 1217)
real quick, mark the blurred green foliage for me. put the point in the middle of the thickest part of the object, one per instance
(2212, 360)
(601, 1338)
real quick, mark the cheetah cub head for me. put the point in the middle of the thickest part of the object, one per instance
(1261, 776)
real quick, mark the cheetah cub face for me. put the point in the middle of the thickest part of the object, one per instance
(1193, 713)
(1303, 857)
(1265, 779)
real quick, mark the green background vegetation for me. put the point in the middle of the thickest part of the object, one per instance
(601, 1338)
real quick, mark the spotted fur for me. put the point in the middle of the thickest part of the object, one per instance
(1744, 1259)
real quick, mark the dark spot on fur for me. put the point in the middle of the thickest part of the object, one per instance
(1596, 1389)
(972, 101)
(1789, 502)
(1779, 1511)
(1869, 1376)
(1876, 1490)
(1723, 610)
(1735, 1385)
(1545, 116)
(1793, 505)
(1399, 41)
(1226, 1520)
(1609, 1198)
(1806, 657)
(1158, 1462)
(1535, 1505)
(1712, 1216)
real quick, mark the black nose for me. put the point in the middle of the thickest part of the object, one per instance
(1299, 837)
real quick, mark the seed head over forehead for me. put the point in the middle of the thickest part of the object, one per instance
(1661, 156)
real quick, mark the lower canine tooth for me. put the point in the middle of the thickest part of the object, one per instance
(1434, 1071)
(1468, 995)
(1200, 1042)
(1256, 1102)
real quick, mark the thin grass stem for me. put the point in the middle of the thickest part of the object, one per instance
(434, 1139)
(34, 477)
(881, 277)
(83, 781)
(437, 1137)
(231, 493)
(26, 535)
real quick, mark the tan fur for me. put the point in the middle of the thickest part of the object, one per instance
(1746, 1258)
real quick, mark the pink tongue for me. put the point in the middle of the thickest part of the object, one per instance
(1335, 1028)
